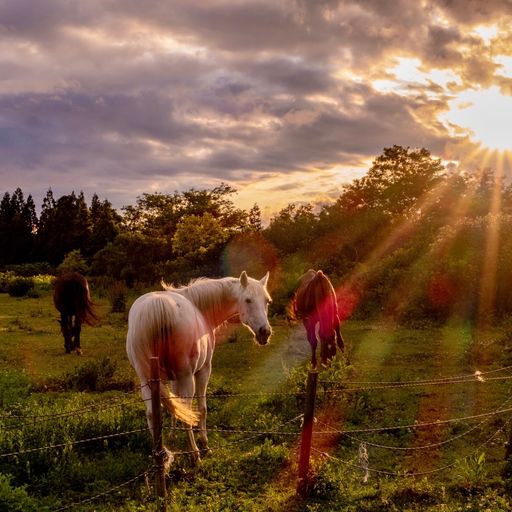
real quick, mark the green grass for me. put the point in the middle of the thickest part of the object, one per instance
(245, 472)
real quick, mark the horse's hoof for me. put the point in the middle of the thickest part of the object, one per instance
(78, 351)
(204, 449)
(196, 458)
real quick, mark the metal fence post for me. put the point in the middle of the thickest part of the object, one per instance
(158, 448)
(307, 433)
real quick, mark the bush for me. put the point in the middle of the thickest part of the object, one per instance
(73, 262)
(20, 286)
(14, 386)
(14, 499)
(5, 280)
(117, 297)
(91, 376)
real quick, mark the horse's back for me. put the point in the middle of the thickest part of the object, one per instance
(305, 299)
(71, 297)
(167, 325)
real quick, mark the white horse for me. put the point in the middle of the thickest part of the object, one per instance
(178, 326)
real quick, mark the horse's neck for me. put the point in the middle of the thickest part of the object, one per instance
(215, 299)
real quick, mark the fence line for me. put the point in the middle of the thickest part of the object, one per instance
(476, 375)
(72, 443)
(409, 384)
(144, 474)
(417, 473)
(480, 377)
(372, 385)
(256, 433)
(38, 418)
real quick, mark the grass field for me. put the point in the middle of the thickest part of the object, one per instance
(254, 389)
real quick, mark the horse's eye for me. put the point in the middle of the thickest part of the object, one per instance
(248, 301)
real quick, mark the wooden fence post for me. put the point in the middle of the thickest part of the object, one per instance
(307, 434)
(158, 448)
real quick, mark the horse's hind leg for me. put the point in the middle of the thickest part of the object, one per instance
(66, 329)
(77, 327)
(146, 397)
(185, 388)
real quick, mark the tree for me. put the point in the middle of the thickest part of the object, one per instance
(104, 227)
(64, 226)
(73, 262)
(18, 223)
(254, 219)
(292, 228)
(395, 182)
(131, 257)
(198, 237)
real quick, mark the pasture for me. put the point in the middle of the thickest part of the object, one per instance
(73, 428)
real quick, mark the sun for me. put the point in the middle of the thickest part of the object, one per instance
(484, 115)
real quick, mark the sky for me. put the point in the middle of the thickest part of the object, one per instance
(284, 100)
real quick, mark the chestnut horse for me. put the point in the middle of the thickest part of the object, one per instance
(72, 300)
(315, 303)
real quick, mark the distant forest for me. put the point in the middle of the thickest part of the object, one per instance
(409, 240)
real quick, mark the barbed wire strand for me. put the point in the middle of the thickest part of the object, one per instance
(72, 443)
(422, 447)
(371, 385)
(410, 384)
(421, 425)
(95, 405)
(470, 376)
(144, 474)
(416, 473)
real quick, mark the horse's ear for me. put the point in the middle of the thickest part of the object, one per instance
(264, 279)
(244, 280)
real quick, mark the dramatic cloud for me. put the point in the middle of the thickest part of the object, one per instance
(284, 100)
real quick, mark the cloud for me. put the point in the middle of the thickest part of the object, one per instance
(130, 96)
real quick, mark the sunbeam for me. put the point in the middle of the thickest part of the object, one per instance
(488, 278)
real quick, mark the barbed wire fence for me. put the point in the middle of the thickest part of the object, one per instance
(294, 428)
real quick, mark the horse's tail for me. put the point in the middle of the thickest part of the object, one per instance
(149, 332)
(291, 310)
(178, 407)
(87, 308)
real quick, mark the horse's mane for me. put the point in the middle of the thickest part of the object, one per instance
(210, 296)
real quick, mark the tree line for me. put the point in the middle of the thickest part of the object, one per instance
(410, 239)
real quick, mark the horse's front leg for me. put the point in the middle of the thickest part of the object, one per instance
(77, 327)
(310, 329)
(202, 378)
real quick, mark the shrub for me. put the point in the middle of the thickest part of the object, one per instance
(117, 297)
(14, 499)
(73, 262)
(20, 286)
(14, 385)
(30, 269)
(91, 376)
(5, 280)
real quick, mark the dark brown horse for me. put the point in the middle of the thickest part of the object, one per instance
(315, 303)
(73, 302)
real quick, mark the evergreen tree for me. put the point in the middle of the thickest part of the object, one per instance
(18, 222)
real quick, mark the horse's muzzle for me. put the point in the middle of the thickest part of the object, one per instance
(263, 335)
